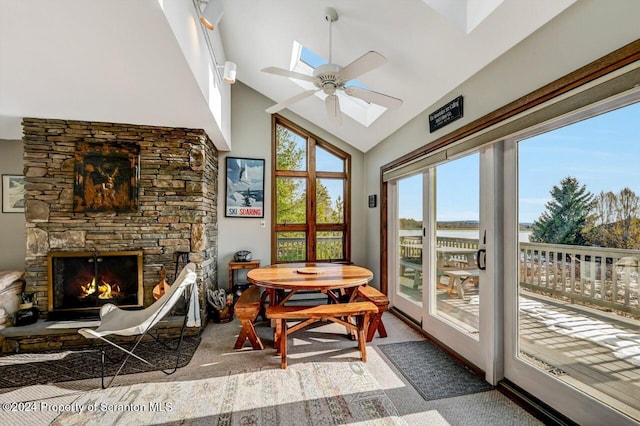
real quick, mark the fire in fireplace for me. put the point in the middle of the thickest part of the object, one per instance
(81, 282)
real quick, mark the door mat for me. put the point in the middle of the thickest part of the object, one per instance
(431, 371)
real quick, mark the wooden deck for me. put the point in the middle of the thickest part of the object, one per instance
(600, 365)
(598, 362)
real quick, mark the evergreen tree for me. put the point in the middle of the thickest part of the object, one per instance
(566, 216)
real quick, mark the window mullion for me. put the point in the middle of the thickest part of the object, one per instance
(311, 199)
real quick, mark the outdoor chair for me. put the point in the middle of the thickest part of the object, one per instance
(118, 322)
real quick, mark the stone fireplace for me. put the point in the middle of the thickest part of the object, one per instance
(81, 282)
(176, 189)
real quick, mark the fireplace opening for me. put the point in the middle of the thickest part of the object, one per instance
(81, 282)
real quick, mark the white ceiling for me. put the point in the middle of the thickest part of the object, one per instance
(96, 60)
(118, 61)
(429, 52)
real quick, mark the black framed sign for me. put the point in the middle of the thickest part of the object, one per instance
(245, 187)
(446, 114)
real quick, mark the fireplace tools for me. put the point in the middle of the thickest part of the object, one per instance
(181, 257)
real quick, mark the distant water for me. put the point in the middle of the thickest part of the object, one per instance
(461, 233)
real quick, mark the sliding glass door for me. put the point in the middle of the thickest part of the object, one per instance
(573, 265)
(437, 278)
(408, 259)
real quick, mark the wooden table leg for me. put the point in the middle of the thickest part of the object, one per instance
(283, 343)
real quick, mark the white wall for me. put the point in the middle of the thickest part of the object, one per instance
(12, 225)
(584, 32)
(251, 135)
(183, 20)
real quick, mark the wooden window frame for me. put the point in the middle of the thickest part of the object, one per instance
(311, 228)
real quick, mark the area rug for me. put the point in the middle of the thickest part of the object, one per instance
(433, 373)
(63, 366)
(303, 394)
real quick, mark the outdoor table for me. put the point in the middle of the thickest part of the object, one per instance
(456, 255)
(457, 279)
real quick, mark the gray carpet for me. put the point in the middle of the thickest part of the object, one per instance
(57, 366)
(433, 373)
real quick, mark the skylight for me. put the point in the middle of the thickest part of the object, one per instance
(305, 60)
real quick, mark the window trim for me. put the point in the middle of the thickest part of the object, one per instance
(311, 227)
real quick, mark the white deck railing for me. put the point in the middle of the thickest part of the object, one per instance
(601, 277)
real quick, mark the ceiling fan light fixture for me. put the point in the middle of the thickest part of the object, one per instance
(333, 80)
(212, 14)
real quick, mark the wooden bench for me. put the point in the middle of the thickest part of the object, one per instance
(337, 313)
(381, 301)
(246, 309)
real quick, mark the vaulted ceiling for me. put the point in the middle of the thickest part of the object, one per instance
(117, 60)
(431, 46)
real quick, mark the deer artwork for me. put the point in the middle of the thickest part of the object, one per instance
(105, 192)
(102, 189)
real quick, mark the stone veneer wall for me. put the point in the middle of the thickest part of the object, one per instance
(176, 210)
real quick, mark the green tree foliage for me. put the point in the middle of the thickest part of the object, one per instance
(290, 153)
(324, 205)
(291, 204)
(615, 221)
(410, 223)
(337, 214)
(291, 192)
(291, 200)
(566, 215)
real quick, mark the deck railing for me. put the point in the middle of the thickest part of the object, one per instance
(291, 249)
(411, 247)
(602, 277)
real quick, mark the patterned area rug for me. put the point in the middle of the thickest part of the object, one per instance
(56, 367)
(303, 394)
(433, 373)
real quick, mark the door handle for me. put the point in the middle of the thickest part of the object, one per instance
(481, 259)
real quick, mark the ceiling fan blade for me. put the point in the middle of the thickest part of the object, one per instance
(363, 64)
(300, 96)
(373, 97)
(333, 110)
(291, 74)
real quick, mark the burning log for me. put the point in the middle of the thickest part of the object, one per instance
(105, 290)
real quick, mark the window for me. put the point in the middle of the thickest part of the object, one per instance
(311, 188)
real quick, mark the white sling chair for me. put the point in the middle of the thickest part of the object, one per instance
(116, 321)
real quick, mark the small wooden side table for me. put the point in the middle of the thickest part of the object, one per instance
(234, 266)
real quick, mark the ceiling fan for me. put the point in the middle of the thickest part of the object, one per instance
(331, 78)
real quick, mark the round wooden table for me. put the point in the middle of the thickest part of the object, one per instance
(283, 280)
(321, 277)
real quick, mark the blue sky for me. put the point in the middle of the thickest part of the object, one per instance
(603, 153)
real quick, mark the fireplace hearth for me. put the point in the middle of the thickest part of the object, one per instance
(81, 282)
